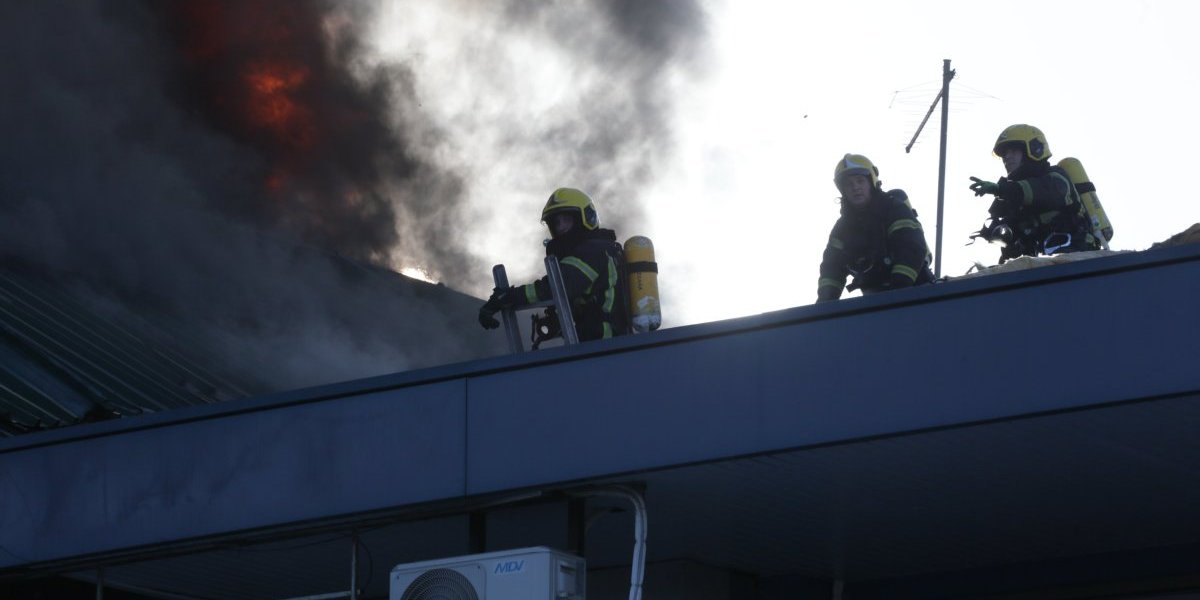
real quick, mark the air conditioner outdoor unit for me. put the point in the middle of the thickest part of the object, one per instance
(537, 573)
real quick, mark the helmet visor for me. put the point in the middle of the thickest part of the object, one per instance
(561, 222)
(844, 176)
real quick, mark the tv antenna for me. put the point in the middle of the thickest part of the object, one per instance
(944, 97)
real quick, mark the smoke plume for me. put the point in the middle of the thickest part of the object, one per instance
(247, 171)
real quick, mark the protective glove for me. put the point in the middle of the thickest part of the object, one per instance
(828, 294)
(491, 307)
(486, 319)
(981, 187)
(897, 281)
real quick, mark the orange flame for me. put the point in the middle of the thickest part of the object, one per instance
(260, 72)
(276, 180)
(272, 104)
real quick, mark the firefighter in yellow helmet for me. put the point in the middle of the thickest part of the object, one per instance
(590, 259)
(1036, 209)
(877, 239)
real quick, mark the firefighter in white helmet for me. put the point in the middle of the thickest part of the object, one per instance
(877, 239)
(590, 259)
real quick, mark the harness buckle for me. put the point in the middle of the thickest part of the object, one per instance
(1051, 248)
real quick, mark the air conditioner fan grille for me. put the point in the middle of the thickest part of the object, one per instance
(440, 584)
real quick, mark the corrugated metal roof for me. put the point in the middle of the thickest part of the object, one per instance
(62, 363)
(69, 354)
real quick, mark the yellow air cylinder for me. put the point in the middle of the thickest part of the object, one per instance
(645, 314)
(1087, 193)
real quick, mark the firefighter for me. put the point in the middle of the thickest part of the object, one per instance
(590, 259)
(877, 239)
(1036, 208)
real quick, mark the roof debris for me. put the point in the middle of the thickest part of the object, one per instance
(1190, 236)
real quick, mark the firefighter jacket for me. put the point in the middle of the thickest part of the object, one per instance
(1042, 208)
(881, 244)
(591, 264)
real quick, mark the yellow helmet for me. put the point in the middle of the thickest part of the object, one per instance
(573, 200)
(855, 164)
(1029, 137)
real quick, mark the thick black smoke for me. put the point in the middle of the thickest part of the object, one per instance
(136, 162)
(271, 74)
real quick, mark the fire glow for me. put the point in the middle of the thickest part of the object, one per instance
(273, 77)
(258, 67)
(272, 103)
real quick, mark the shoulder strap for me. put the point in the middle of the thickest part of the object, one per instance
(898, 195)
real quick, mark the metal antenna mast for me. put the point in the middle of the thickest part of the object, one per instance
(944, 97)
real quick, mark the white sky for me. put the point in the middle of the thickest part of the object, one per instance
(741, 218)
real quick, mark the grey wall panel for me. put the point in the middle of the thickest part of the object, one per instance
(1045, 346)
(214, 476)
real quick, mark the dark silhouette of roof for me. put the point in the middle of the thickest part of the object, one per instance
(70, 353)
(61, 363)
